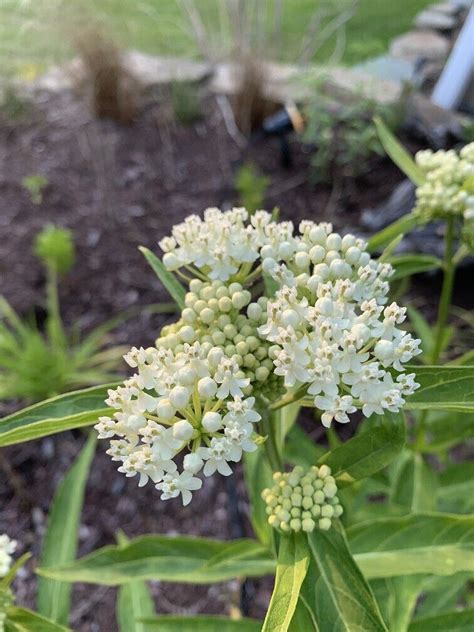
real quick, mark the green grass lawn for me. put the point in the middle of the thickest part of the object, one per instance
(36, 33)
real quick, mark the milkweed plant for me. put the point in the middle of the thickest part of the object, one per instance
(279, 322)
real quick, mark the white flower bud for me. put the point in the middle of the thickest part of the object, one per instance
(207, 388)
(187, 334)
(212, 422)
(165, 410)
(192, 463)
(383, 350)
(182, 430)
(302, 259)
(179, 396)
(171, 261)
(195, 285)
(254, 312)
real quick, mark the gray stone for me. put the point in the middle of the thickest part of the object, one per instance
(437, 125)
(449, 7)
(420, 45)
(386, 67)
(400, 202)
(430, 19)
(152, 70)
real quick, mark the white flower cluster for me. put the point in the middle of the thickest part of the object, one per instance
(327, 334)
(302, 500)
(332, 330)
(192, 397)
(7, 548)
(449, 185)
(223, 245)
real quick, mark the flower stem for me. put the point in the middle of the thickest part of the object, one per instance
(289, 398)
(449, 267)
(271, 447)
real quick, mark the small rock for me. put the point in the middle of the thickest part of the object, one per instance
(420, 44)
(400, 202)
(437, 125)
(430, 19)
(386, 67)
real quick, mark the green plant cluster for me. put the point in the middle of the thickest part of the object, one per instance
(400, 556)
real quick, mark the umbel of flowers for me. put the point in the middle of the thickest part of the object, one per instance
(325, 336)
(302, 500)
(449, 185)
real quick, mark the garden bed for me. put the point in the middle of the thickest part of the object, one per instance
(116, 188)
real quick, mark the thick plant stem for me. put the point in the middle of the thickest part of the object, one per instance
(271, 447)
(449, 267)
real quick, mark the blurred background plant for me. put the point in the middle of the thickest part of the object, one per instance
(251, 187)
(185, 101)
(344, 136)
(35, 363)
(35, 184)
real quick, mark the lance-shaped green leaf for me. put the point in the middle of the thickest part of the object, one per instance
(336, 590)
(443, 388)
(300, 449)
(23, 620)
(398, 153)
(451, 622)
(201, 623)
(170, 282)
(407, 265)
(415, 484)
(397, 598)
(134, 602)
(64, 412)
(292, 566)
(455, 488)
(368, 452)
(258, 476)
(60, 541)
(170, 559)
(401, 226)
(442, 594)
(435, 544)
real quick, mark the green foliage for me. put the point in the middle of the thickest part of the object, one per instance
(185, 102)
(54, 246)
(174, 288)
(344, 137)
(35, 185)
(292, 566)
(60, 413)
(169, 559)
(397, 153)
(36, 364)
(61, 537)
(202, 623)
(251, 187)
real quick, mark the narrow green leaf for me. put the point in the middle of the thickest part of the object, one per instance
(442, 594)
(64, 412)
(170, 559)
(300, 449)
(23, 620)
(258, 476)
(304, 618)
(339, 596)
(292, 566)
(408, 265)
(201, 623)
(456, 487)
(60, 540)
(172, 285)
(134, 602)
(415, 484)
(440, 430)
(436, 544)
(443, 388)
(397, 598)
(368, 452)
(451, 622)
(398, 153)
(399, 227)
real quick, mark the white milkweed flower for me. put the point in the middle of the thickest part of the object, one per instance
(7, 548)
(334, 332)
(449, 185)
(302, 500)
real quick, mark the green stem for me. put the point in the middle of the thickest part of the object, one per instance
(449, 269)
(271, 447)
(289, 398)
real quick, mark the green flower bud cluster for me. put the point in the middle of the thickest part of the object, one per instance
(223, 316)
(302, 500)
